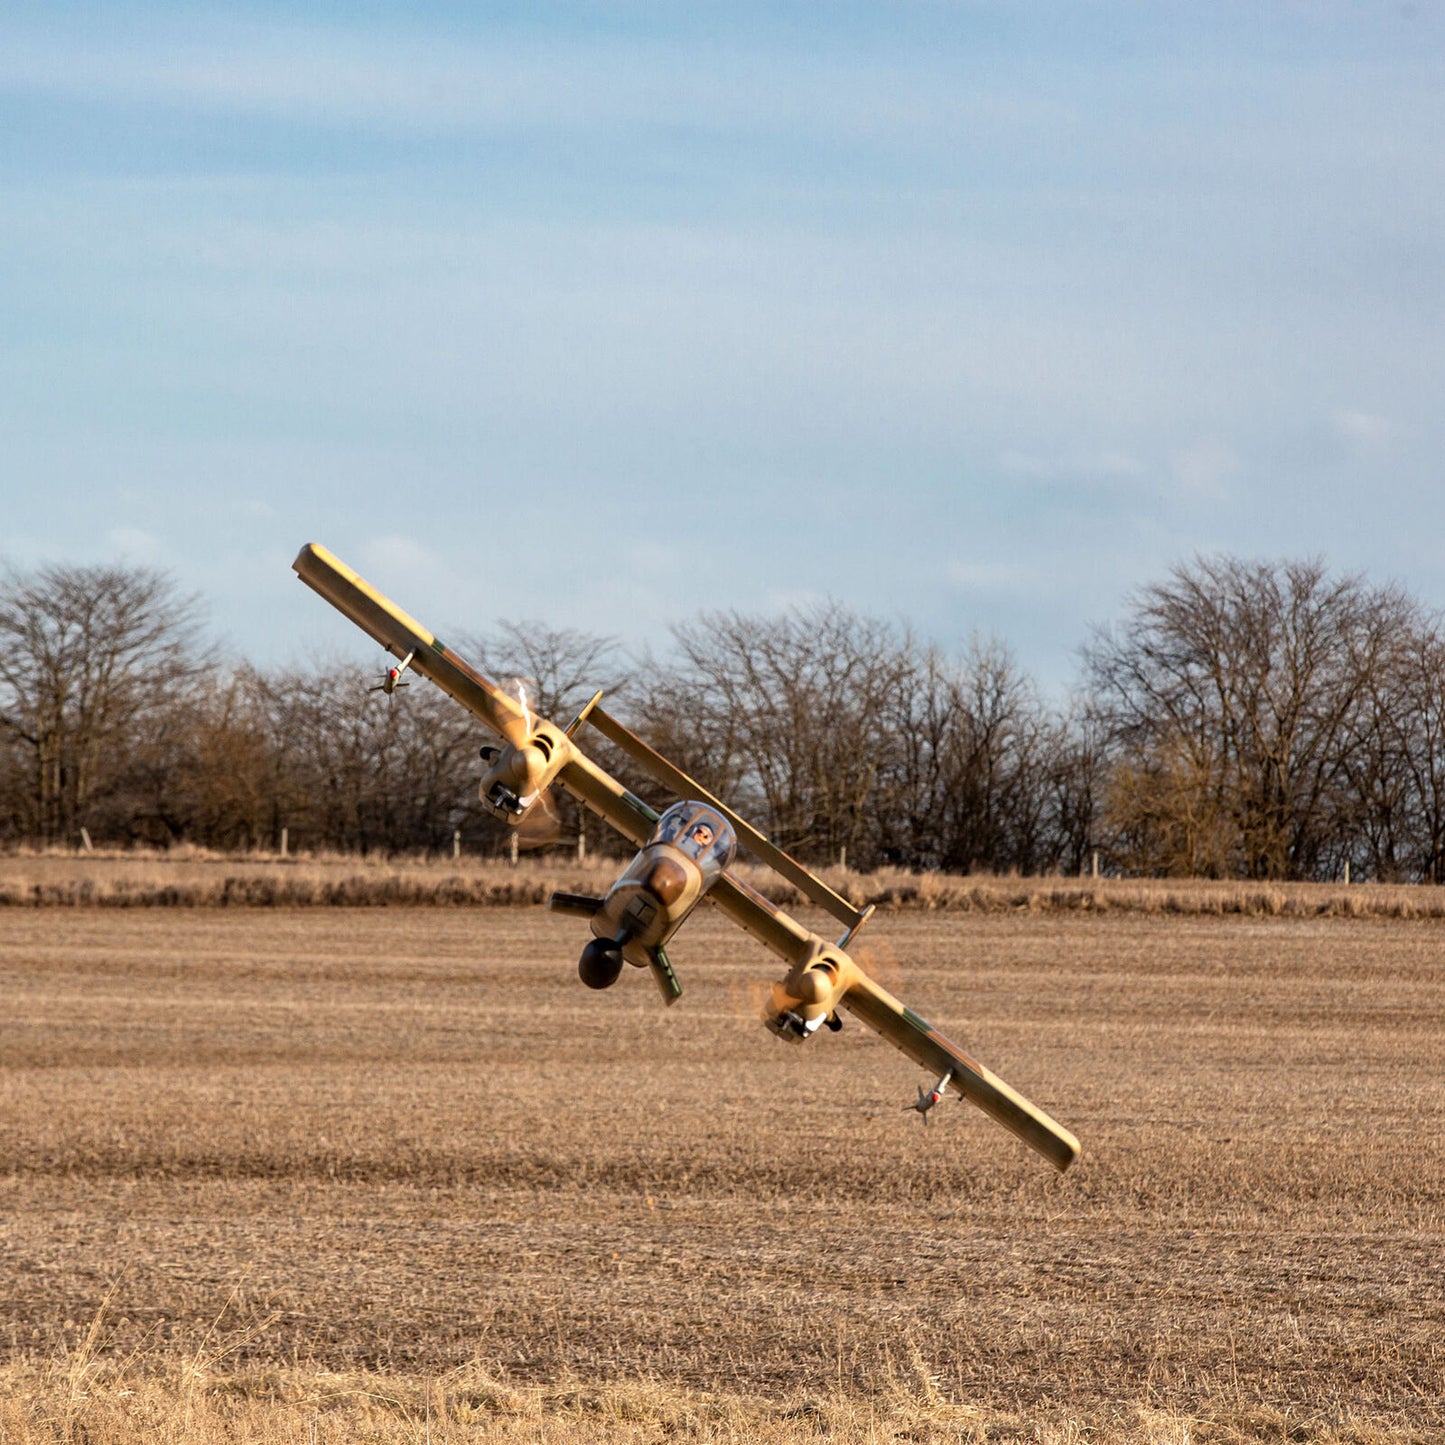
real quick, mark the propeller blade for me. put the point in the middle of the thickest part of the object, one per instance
(878, 960)
(541, 825)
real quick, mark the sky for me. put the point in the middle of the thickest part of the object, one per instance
(971, 316)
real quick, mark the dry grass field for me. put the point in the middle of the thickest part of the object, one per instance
(332, 1174)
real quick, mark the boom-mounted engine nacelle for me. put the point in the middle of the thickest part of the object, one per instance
(520, 773)
(809, 996)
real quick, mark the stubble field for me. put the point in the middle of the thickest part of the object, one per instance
(394, 1174)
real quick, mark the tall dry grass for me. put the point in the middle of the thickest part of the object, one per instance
(194, 878)
(91, 1396)
(156, 1400)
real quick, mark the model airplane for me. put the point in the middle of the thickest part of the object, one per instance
(684, 856)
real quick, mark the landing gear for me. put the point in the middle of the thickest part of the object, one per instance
(795, 1028)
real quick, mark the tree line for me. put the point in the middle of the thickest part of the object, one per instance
(1263, 720)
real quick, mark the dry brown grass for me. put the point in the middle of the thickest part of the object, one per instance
(405, 1157)
(195, 878)
(476, 1404)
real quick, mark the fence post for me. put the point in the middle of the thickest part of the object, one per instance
(512, 847)
(85, 840)
(457, 843)
(581, 844)
(1096, 863)
(1347, 872)
(285, 838)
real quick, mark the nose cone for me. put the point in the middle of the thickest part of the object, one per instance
(815, 986)
(666, 881)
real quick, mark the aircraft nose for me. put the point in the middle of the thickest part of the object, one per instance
(665, 882)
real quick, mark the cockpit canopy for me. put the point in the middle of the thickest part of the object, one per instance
(700, 832)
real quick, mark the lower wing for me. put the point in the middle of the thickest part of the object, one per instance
(883, 1013)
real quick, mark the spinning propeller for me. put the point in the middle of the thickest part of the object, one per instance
(510, 787)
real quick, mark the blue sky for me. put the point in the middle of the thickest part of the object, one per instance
(972, 315)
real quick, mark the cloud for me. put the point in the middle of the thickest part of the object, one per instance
(1091, 468)
(397, 557)
(792, 599)
(1366, 431)
(989, 576)
(134, 545)
(429, 80)
(1203, 469)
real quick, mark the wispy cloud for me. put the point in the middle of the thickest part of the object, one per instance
(1089, 468)
(792, 599)
(1364, 430)
(556, 77)
(1204, 469)
(990, 576)
(398, 557)
(868, 304)
(134, 545)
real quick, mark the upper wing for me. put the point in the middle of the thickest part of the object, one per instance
(400, 634)
(926, 1046)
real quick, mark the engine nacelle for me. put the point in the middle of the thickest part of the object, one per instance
(520, 773)
(600, 964)
(809, 996)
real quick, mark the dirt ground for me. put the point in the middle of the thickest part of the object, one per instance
(408, 1139)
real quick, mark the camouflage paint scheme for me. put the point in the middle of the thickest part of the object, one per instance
(661, 886)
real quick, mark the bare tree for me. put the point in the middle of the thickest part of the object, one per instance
(994, 805)
(793, 716)
(91, 659)
(352, 769)
(1395, 823)
(918, 768)
(963, 786)
(1076, 772)
(559, 667)
(1234, 694)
